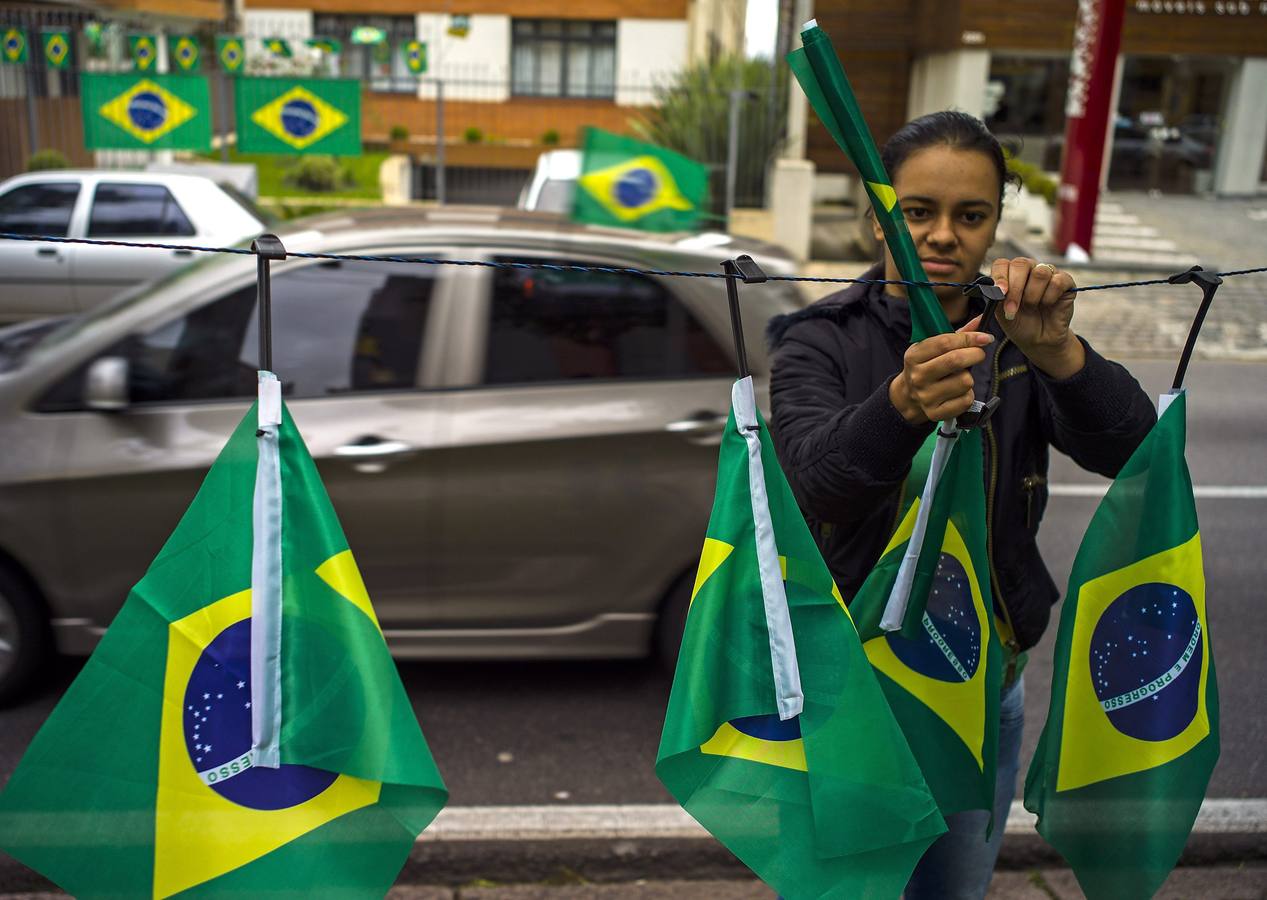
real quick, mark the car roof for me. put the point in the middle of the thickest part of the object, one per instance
(350, 225)
(107, 175)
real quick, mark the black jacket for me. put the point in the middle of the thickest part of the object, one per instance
(846, 449)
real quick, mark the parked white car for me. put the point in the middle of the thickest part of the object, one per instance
(53, 279)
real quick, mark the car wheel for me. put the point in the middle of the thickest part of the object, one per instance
(672, 620)
(24, 638)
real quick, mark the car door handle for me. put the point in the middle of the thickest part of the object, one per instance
(182, 253)
(373, 448)
(701, 423)
(47, 251)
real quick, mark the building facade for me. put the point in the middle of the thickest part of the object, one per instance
(1191, 81)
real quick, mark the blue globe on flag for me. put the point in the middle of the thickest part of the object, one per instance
(217, 730)
(147, 110)
(299, 118)
(1146, 653)
(950, 647)
(636, 188)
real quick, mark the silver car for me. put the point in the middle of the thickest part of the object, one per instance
(46, 279)
(523, 459)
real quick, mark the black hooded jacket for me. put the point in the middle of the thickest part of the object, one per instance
(846, 449)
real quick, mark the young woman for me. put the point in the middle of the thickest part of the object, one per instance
(853, 401)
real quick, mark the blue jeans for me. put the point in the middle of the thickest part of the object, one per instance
(959, 865)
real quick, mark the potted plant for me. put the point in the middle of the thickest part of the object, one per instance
(398, 139)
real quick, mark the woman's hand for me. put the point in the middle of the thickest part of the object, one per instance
(935, 384)
(1036, 310)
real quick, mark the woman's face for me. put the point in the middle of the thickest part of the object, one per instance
(950, 198)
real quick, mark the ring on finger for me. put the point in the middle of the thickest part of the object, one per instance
(1046, 265)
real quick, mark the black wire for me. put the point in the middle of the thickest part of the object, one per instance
(557, 267)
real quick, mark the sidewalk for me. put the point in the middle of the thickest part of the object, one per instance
(1223, 883)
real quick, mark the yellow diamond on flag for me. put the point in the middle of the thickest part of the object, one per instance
(144, 53)
(57, 49)
(635, 188)
(299, 118)
(186, 52)
(147, 111)
(14, 44)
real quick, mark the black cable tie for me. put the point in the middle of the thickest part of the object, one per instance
(1209, 283)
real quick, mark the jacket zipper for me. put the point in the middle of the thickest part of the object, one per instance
(1009, 635)
(1028, 484)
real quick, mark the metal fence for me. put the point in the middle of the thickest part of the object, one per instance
(473, 131)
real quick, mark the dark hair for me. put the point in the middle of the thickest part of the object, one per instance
(949, 128)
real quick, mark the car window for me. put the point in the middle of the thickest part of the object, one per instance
(551, 325)
(338, 328)
(123, 210)
(43, 208)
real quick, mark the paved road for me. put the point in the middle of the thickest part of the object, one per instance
(540, 733)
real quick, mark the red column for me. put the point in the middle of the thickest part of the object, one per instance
(1097, 38)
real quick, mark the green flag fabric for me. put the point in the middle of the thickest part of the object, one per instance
(940, 666)
(57, 48)
(149, 112)
(183, 53)
(279, 47)
(827, 803)
(415, 53)
(1132, 733)
(231, 51)
(143, 48)
(325, 44)
(13, 47)
(299, 115)
(628, 183)
(145, 780)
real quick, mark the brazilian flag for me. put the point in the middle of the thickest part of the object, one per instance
(231, 52)
(57, 48)
(627, 183)
(241, 730)
(279, 47)
(941, 664)
(415, 53)
(329, 45)
(183, 52)
(1132, 734)
(13, 47)
(777, 738)
(145, 112)
(299, 115)
(143, 48)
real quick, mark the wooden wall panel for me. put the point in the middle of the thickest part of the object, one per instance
(528, 9)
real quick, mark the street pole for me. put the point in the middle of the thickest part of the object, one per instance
(732, 151)
(32, 114)
(440, 141)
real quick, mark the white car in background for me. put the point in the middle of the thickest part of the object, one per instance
(52, 279)
(552, 183)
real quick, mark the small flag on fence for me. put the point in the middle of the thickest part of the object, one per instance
(368, 34)
(161, 772)
(125, 112)
(231, 53)
(415, 56)
(143, 49)
(1132, 734)
(13, 49)
(57, 51)
(279, 47)
(333, 46)
(289, 115)
(632, 184)
(183, 52)
(777, 738)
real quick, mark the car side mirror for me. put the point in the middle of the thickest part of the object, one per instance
(106, 384)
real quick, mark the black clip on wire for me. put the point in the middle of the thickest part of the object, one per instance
(985, 289)
(746, 268)
(265, 247)
(1209, 283)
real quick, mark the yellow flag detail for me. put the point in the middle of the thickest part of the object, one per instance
(885, 192)
(147, 111)
(1093, 748)
(341, 573)
(299, 118)
(635, 188)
